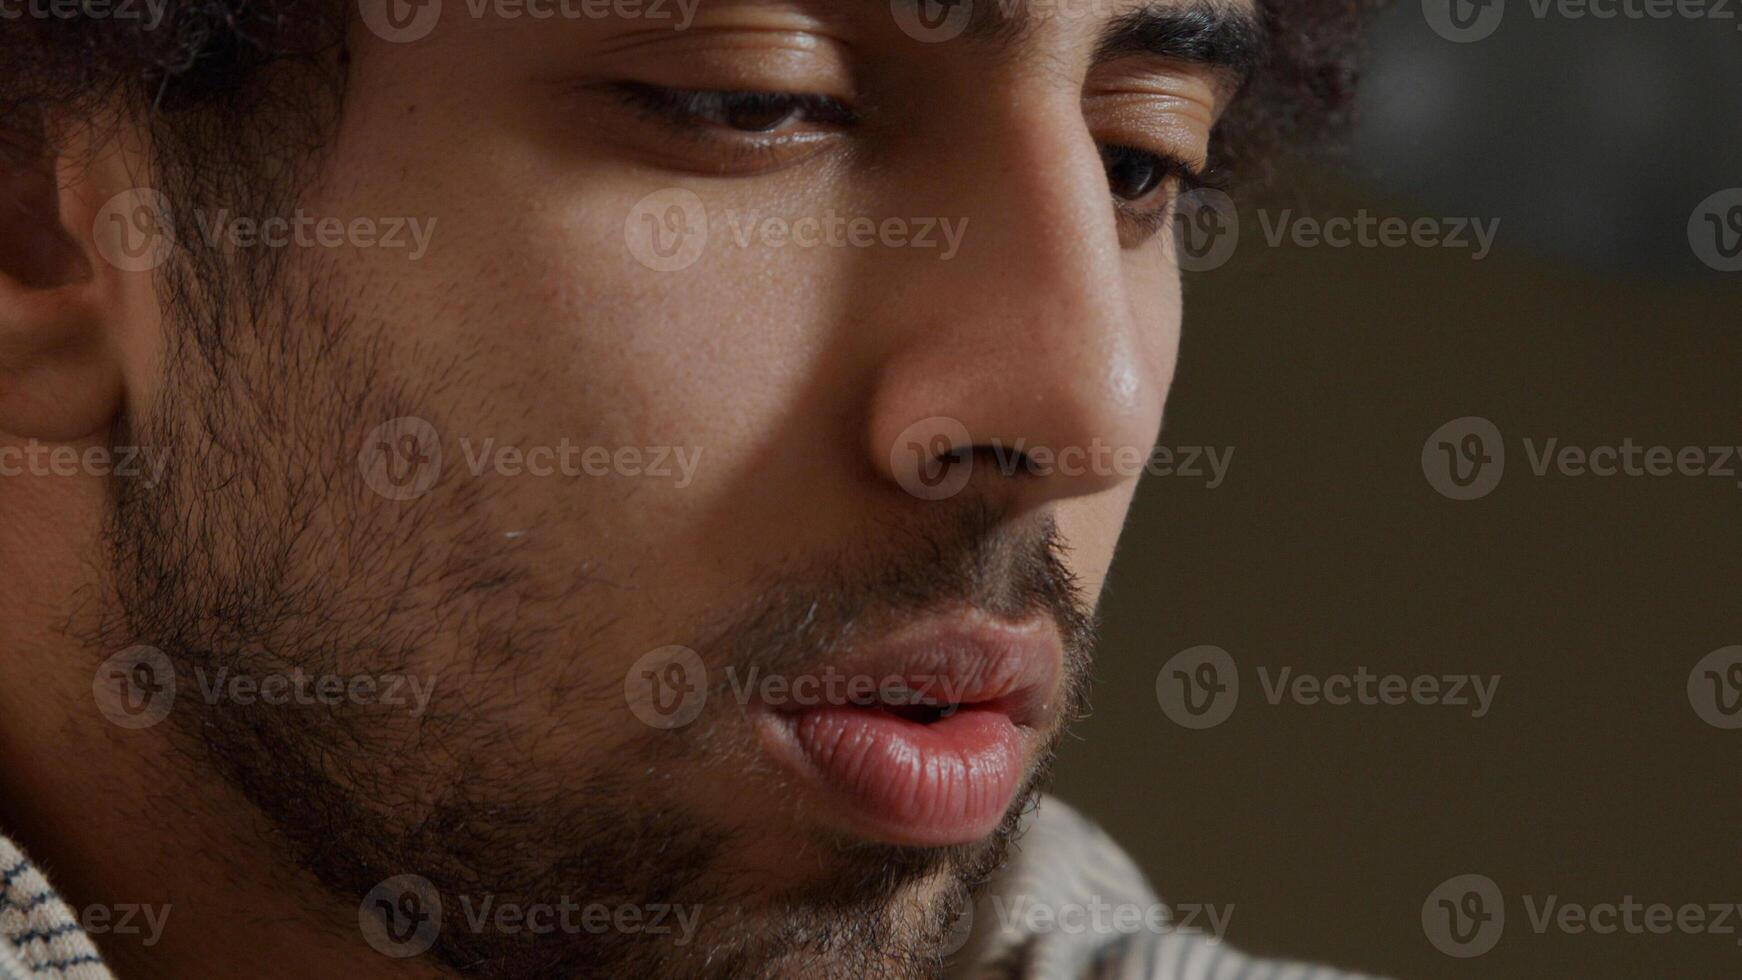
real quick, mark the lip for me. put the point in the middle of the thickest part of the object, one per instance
(924, 736)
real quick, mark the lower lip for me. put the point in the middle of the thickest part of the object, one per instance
(904, 782)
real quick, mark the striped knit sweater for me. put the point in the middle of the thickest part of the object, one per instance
(1071, 906)
(39, 937)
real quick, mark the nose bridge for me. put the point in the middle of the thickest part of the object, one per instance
(1024, 341)
(1047, 226)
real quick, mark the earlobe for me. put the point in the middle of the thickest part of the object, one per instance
(59, 376)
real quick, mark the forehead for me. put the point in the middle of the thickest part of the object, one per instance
(1224, 35)
(1220, 34)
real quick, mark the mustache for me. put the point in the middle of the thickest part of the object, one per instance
(965, 556)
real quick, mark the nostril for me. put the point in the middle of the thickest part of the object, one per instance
(1006, 459)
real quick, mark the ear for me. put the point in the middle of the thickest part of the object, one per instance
(60, 376)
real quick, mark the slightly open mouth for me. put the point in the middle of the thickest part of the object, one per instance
(917, 710)
(933, 738)
(923, 714)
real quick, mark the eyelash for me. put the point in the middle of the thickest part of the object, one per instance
(698, 113)
(1184, 178)
(692, 108)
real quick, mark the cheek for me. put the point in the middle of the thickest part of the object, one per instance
(1153, 283)
(1091, 526)
(713, 355)
(546, 325)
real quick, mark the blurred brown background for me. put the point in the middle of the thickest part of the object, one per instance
(1326, 548)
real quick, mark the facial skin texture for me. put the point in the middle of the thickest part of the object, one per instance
(794, 371)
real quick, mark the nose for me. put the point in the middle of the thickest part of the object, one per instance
(1033, 363)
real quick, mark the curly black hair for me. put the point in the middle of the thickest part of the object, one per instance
(231, 80)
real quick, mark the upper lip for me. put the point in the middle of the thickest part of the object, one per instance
(966, 659)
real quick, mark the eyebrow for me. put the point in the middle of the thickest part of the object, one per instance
(1223, 35)
(1216, 35)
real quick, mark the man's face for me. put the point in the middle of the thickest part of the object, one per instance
(707, 434)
